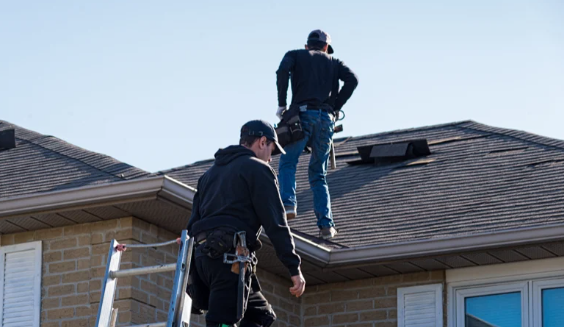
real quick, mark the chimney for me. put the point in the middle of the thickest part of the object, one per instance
(7, 139)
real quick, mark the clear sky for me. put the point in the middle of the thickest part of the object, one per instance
(161, 84)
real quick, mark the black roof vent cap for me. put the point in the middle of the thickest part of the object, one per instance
(393, 152)
(7, 139)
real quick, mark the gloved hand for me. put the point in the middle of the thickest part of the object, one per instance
(280, 111)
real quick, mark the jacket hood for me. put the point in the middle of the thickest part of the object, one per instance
(225, 156)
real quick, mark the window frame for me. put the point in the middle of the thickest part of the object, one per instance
(37, 247)
(535, 274)
(537, 287)
(462, 293)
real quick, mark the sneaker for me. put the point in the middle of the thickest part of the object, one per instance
(327, 232)
(290, 212)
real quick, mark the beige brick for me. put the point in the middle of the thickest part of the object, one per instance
(385, 303)
(124, 234)
(7, 240)
(24, 237)
(385, 324)
(137, 223)
(52, 256)
(83, 264)
(344, 295)
(62, 267)
(84, 240)
(126, 222)
(84, 311)
(362, 324)
(76, 323)
(82, 287)
(391, 291)
(437, 275)
(345, 318)
(97, 238)
(49, 234)
(66, 243)
(388, 280)
(124, 317)
(74, 300)
(98, 272)
(373, 315)
(416, 277)
(97, 260)
(317, 321)
(77, 229)
(77, 253)
(361, 283)
(310, 311)
(51, 280)
(101, 249)
(55, 314)
(148, 287)
(96, 285)
(295, 321)
(50, 324)
(317, 298)
(372, 292)
(392, 314)
(54, 291)
(360, 305)
(50, 303)
(95, 296)
(331, 308)
(102, 226)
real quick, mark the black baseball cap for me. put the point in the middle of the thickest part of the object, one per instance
(319, 35)
(261, 128)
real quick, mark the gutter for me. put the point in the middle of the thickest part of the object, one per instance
(151, 188)
(331, 258)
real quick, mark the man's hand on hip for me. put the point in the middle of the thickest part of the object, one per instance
(299, 285)
(280, 111)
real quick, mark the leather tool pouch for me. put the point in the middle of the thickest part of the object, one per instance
(290, 130)
(217, 243)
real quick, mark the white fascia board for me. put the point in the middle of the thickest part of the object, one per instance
(94, 194)
(397, 251)
(177, 192)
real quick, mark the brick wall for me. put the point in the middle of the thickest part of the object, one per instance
(74, 263)
(360, 303)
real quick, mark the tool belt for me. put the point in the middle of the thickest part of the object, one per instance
(215, 243)
(290, 130)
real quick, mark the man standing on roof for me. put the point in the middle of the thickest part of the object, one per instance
(316, 96)
(239, 193)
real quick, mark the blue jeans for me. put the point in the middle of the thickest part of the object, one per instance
(318, 127)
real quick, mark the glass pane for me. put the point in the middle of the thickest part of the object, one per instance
(553, 307)
(499, 310)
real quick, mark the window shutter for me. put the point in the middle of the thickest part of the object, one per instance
(420, 306)
(20, 275)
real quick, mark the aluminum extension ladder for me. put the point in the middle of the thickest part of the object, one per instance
(180, 302)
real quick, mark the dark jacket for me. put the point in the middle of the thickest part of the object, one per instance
(240, 192)
(315, 79)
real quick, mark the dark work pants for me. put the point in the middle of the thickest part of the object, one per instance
(219, 288)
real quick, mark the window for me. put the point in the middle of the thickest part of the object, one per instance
(527, 294)
(20, 275)
(420, 306)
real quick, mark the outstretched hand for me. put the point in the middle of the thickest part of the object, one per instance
(299, 285)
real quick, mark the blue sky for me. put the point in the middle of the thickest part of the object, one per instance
(160, 84)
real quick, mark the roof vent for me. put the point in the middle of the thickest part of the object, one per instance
(392, 152)
(7, 139)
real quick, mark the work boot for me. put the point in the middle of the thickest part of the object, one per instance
(290, 212)
(327, 232)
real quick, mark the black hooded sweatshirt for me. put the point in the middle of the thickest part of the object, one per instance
(240, 192)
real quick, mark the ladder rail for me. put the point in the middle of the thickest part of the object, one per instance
(180, 302)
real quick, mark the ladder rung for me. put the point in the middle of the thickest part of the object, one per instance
(143, 271)
(156, 324)
(150, 245)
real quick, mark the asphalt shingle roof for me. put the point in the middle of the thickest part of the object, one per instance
(478, 179)
(42, 163)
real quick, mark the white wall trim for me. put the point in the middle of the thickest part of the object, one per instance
(38, 253)
(506, 272)
(537, 288)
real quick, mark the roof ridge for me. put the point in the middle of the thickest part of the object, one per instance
(41, 137)
(405, 130)
(516, 134)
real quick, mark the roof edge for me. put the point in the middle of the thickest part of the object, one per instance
(410, 250)
(159, 186)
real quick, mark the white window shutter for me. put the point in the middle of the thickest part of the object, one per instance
(420, 306)
(20, 275)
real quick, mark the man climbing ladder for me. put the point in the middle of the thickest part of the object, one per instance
(235, 198)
